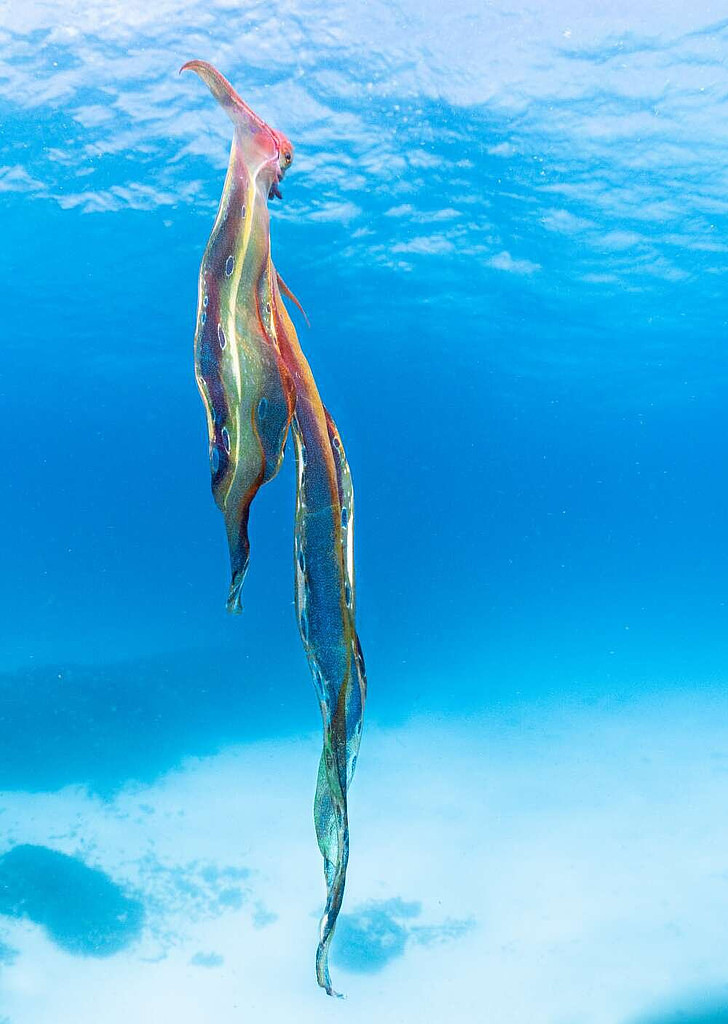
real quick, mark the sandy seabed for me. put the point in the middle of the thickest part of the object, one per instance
(559, 864)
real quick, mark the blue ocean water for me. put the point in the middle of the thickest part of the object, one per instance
(508, 225)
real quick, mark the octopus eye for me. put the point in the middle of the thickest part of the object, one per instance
(287, 157)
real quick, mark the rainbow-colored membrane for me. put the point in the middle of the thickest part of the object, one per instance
(256, 384)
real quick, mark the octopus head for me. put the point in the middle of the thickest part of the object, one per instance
(267, 153)
(283, 160)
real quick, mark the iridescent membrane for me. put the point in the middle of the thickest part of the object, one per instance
(256, 382)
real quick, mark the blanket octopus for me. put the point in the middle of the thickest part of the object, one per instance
(258, 388)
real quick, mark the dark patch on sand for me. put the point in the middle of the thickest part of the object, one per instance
(81, 908)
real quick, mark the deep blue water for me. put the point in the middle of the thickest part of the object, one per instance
(508, 226)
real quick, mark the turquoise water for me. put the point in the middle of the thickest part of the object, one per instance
(508, 226)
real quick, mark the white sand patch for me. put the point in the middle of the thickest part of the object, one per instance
(588, 846)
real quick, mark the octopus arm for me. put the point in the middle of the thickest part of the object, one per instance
(325, 604)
